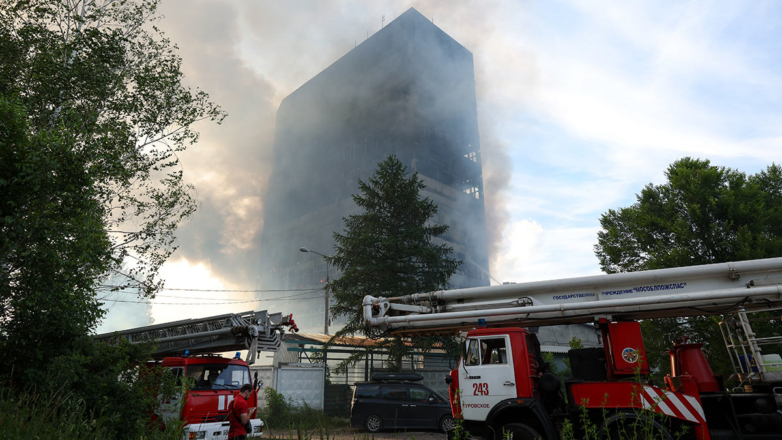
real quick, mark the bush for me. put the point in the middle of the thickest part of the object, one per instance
(103, 383)
(282, 414)
(278, 411)
(61, 416)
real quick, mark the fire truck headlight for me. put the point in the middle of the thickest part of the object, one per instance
(198, 435)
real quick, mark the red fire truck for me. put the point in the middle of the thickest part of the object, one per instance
(187, 350)
(502, 385)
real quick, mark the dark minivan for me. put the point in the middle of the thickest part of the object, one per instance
(393, 401)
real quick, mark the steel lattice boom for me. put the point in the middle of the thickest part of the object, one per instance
(254, 331)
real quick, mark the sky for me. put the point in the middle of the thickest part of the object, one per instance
(580, 104)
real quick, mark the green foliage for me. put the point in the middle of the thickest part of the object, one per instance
(281, 415)
(111, 82)
(703, 214)
(109, 380)
(633, 424)
(567, 372)
(389, 250)
(278, 411)
(62, 414)
(50, 246)
(92, 116)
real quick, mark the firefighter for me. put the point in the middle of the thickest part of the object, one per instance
(239, 414)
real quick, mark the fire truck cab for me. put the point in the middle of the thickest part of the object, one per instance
(186, 348)
(205, 407)
(502, 383)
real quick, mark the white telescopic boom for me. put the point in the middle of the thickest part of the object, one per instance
(683, 291)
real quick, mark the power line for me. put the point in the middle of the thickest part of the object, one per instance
(216, 290)
(289, 298)
(221, 299)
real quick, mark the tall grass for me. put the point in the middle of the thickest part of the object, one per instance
(25, 416)
(284, 420)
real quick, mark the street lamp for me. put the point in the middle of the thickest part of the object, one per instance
(325, 288)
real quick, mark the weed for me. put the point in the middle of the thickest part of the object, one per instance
(302, 422)
(61, 416)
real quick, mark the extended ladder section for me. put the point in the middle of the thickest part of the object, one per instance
(746, 347)
(254, 331)
(684, 291)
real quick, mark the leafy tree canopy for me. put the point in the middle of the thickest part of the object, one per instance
(703, 214)
(111, 80)
(93, 113)
(390, 249)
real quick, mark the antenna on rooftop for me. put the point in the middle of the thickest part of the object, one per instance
(382, 21)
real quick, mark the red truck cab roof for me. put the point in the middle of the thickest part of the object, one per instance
(496, 331)
(196, 360)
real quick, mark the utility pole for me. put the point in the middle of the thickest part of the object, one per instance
(326, 304)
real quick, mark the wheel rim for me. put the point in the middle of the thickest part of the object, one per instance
(449, 424)
(373, 423)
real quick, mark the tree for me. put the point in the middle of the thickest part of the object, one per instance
(389, 250)
(703, 214)
(51, 244)
(93, 113)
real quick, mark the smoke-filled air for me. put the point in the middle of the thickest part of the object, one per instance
(569, 110)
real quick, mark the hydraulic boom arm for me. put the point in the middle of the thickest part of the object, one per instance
(683, 291)
(254, 331)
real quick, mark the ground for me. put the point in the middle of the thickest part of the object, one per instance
(354, 434)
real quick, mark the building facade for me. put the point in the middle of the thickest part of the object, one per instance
(408, 90)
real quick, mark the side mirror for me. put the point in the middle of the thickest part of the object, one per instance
(256, 384)
(432, 399)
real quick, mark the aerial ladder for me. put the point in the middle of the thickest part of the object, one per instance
(189, 348)
(502, 382)
(254, 331)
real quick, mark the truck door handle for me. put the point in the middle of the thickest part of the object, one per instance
(509, 383)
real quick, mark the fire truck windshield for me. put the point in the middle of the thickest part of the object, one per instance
(218, 376)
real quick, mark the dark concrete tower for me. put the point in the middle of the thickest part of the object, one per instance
(409, 90)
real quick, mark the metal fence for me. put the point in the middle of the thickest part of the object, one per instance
(338, 383)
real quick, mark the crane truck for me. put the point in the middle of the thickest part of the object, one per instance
(501, 384)
(189, 349)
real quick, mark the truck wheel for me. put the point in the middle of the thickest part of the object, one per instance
(373, 423)
(519, 431)
(447, 424)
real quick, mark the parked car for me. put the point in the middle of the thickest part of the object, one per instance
(394, 401)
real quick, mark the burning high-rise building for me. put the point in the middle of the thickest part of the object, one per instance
(408, 90)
